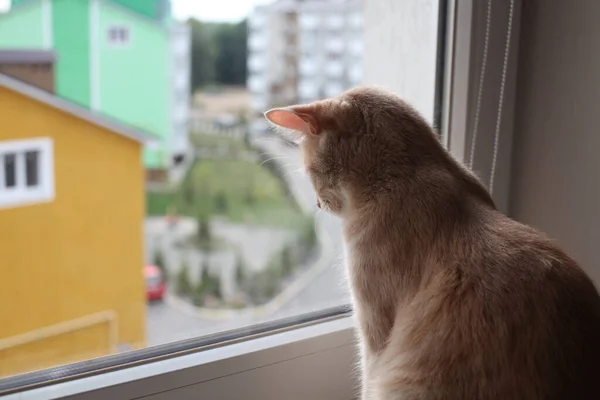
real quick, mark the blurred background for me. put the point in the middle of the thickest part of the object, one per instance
(143, 198)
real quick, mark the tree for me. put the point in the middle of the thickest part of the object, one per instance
(230, 63)
(203, 54)
(218, 53)
(204, 233)
(188, 194)
(221, 203)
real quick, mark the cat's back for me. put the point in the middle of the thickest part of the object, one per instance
(511, 316)
(548, 306)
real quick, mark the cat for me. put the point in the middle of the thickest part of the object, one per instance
(453, 300)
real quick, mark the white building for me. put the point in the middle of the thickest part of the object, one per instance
(181, 81)
(303, 50)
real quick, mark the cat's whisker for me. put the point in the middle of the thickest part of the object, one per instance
(267, 140)
(287, 167)
(269, 159)
(274, 157)
(297, 171)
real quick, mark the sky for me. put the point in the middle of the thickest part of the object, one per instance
(205, 10)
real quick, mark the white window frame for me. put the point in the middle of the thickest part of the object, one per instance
(317, 361)
(119, 43)
(282, 365)
(21, 195)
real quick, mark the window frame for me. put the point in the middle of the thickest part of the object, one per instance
(22, 195)
(201, 360)
(301, 356)
(466, 52)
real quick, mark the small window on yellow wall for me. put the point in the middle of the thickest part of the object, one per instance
(26, 172)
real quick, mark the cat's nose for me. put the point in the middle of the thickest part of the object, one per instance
(318, 203)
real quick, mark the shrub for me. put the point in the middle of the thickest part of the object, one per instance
(183, 285)
(240, 271)
(287, 261)
(208, 284)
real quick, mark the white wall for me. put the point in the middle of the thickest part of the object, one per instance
(555, 149)
(180, 42)
(400, 49)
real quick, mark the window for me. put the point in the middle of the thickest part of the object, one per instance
(231, 227)
(309, 21)
(26, 172)
(118, 35)
(335, 22)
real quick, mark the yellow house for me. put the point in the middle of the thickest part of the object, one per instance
(71, 220)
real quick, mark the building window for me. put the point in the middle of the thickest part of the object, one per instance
(118, 35)
(26, 172)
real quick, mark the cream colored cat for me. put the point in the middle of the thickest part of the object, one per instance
(453, 299)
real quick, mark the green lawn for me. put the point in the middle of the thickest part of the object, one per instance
(242, 191)
(212, 142)
(158, 203)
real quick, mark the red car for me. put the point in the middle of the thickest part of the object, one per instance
(155, 283)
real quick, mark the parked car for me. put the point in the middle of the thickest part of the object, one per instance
(155, 283)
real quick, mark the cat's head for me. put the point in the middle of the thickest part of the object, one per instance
(356, 144)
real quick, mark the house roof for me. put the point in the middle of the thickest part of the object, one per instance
(14, 56)
(128, 10)
(73, 109)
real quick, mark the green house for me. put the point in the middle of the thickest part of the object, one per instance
(127, 59)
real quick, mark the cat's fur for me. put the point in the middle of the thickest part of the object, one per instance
(453, 299)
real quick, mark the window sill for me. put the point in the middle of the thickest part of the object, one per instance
(311, 362)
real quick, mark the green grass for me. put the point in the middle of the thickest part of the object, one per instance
(241, 191)
(213, 142)
(158, 203)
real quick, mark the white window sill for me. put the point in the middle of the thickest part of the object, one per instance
(312, 362)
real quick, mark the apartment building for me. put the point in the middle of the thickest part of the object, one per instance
(181, 76)
(303, 50)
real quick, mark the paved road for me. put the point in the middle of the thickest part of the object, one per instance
(166, 324)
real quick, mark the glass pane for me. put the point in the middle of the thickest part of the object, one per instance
(10, 170)
(32, 168)
(232, 236)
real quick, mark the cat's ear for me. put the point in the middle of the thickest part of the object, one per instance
(288, 119)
